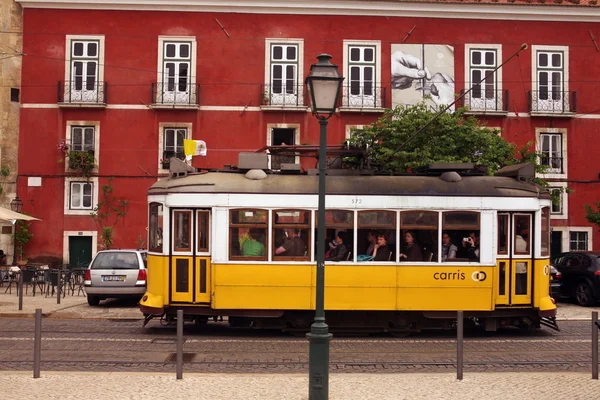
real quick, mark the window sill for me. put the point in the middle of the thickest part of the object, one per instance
(500, 113)
(86, 212)
(283, 107)
(362, 109)
(558, 114)
(174, 106)
(81, 105)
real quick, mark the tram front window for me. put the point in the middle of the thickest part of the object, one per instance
(155, 228)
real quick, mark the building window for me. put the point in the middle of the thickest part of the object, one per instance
(578, 241)
(81, 196)
(362, 66)
(176, 81)
(481, 62)
(282, 135)
(171, 137)
(285, 69)
(84, 72)
(551, 144)
(557, 207)
(550, 78)
(551, 152)
(82, 138)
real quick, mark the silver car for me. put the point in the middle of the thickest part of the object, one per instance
(116, 274)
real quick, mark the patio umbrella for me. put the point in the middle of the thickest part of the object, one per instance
(11, 216)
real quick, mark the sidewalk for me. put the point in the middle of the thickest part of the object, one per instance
(77, 307)
(430, 386)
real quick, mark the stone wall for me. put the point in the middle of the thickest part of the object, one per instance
(11, 45)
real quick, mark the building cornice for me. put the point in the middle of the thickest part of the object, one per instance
(533, 12)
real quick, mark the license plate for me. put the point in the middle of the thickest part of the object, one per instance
(112, 278)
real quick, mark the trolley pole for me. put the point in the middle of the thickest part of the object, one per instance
(319, 336)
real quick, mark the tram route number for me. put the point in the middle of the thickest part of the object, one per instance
(357, 201)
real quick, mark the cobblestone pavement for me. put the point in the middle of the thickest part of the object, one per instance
(489, 386)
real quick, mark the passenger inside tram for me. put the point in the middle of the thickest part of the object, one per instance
(293, 246)
(411, 250)
(253, 246)
(341, 251)
(381, 250)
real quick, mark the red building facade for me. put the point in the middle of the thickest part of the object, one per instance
(127, 83)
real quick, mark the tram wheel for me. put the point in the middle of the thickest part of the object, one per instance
(583, 294)
(200, 321)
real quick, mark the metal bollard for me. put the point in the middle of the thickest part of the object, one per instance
(58, 286)
(179, 344)
(20, 290)
(595, 328)
(459, 345)
(37, 343)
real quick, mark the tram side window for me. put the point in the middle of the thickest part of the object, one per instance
(545, 239)
(339, 235)
(419, 231)
(371, 225)
(248, 234)
(182, 230)
(203, 230)
(155, 228)
(503, 234)
(463, 229)
(291, 235)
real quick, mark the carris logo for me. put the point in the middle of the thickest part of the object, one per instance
(479, 276)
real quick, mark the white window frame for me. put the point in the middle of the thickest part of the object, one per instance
(67, 195)
(161, 140)
(361, 100)
(550, 106)
(283, 126)
(480, 104)
(287, 99)
(564, 201)
(188, 97)
(93, 96)
(96, 126)
(350, 128)
(550, 174)
(565, 244)
(588, 244)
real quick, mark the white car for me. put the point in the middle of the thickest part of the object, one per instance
(116, 274)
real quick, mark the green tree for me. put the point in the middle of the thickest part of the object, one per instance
(108, 212)
(22, 235)
(593, 215)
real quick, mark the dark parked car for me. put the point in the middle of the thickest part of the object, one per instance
(580, 279)
(555, 283)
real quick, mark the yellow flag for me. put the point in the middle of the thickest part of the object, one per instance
(194, 147)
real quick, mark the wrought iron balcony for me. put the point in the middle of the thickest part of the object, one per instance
(552, 102)
(82, 93)
(363, 96)
(282, 95)
(166, 158)
(554, 164)
(482, 100)
(173, 95)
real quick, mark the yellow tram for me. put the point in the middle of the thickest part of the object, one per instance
(215, 241)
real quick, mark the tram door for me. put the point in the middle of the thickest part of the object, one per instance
(190, 260)
(514, 259)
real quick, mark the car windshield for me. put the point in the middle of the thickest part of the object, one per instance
(116, 260)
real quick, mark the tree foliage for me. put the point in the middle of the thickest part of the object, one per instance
(393, 146)
(107, 213)
(593, 215)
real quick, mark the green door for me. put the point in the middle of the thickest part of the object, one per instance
(80, 250)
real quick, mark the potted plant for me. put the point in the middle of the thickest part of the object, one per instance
(82, 162)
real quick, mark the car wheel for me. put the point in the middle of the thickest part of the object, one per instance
(583, 295)
(93, 300)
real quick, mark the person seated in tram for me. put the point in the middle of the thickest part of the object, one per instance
(372, 239)
(521, 245)
(341, 250)
(448, 249)
(470, 247)
(412, 251)
(293, 246)
(252, 247)
(381, 250)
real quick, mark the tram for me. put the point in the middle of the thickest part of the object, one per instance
(215, 249)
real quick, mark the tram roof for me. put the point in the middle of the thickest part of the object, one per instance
(414, 185)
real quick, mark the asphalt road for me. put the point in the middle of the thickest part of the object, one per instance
(124, 345)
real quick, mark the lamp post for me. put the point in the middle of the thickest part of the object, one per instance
(324, 82)
(16, 205)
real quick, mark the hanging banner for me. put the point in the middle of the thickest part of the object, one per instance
(194, 148)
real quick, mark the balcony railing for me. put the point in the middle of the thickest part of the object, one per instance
(485, 100)
(554, 164)
(79, 92)
(173, 94)
(363, 96)
(552, 102)
(282, 95)
(166, 159)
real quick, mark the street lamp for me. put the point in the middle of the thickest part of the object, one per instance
(324, 82)
(16, 205)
